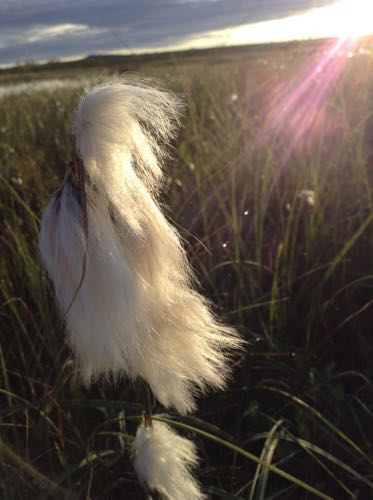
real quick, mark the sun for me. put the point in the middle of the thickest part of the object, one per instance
(352, 18)
(344, 19)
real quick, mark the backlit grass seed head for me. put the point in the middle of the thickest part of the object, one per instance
(120, 273)
(308, 195)
(164, 461)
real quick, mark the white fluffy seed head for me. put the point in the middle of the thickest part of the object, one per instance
(164, 461)
(136, 311)
(123, 121)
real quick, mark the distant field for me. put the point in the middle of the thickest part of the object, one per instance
(270, 185)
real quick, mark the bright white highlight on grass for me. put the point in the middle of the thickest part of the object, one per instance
(46, 85)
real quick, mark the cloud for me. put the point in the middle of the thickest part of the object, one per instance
(45, 33)
(42, 29)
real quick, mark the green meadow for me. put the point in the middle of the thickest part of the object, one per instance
(270, 184)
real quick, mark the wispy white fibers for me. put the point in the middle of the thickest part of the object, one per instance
(164, 461)
(136, 311)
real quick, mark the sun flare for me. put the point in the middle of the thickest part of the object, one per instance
(298, 110)
(353, 17)
(340, 19)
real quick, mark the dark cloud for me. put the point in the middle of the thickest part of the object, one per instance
(119, 24)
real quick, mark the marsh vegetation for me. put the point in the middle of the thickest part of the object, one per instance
(270, 184)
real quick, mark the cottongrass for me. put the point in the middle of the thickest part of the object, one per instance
(120, 273)
(164, 462)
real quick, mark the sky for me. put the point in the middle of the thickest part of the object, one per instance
(42, 30)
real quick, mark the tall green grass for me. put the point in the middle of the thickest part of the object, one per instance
(294, 278)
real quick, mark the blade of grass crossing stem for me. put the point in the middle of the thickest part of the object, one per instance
(309, 450)
(323, 419)
(263, 456)
(316, 449)
(271, 446)
(247, 455)
(345, 249)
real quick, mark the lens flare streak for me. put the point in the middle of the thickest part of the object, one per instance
(298, 108)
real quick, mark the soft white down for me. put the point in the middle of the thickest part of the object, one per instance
(136, 311)
(164, 462)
